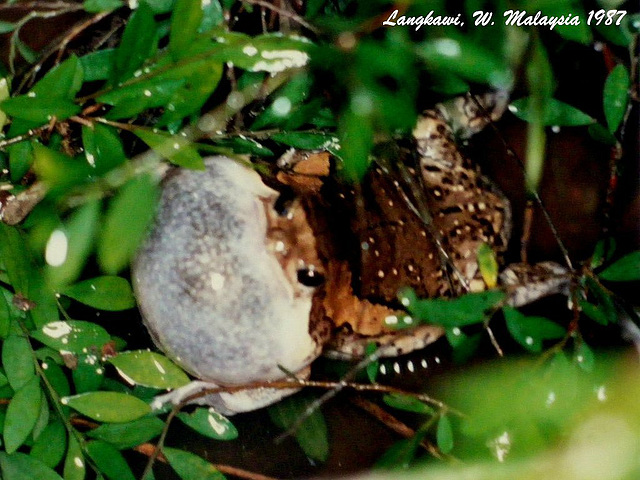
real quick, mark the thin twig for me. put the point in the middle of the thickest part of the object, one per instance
(534, 194)
(393, 423)
(147, 450)
(284, 13)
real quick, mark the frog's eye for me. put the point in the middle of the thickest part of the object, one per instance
(310, 277)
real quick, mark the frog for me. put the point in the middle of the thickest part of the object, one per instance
(240, 284)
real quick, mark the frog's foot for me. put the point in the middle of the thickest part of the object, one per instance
(347, 345)
(226, 403)
(527, 283)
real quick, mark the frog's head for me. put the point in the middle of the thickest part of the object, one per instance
(226, 279)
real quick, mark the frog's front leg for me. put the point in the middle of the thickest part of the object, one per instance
(199, 392)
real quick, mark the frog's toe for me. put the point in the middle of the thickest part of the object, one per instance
(528, 283)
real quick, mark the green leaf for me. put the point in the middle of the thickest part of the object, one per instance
(105, 293)
(556, 113)
(312, 434)
(149, 369)
(356, 137)
(88, 376)
(56, 377)
(51, 444)
(22, 414)
(615, 96)
(603, 251)
(306, 140)
(208, 422)
(138, 43)
(97, 65)
(20, 160)
(68, 248)
(102, 147)
(185, 20)
(74, 464)
(189, 466)
(626, 269)
(16, 257)
(401, 453)
(407, 403)
(465, 310)
(212, 15)
(17, 361)
(57, 169)
(531, 331)
(96, 6)
(272, 52)
(109, 461)
(601, 134)
(110, 407)
(39, 109)
(133, 98)
(488, 264)
(130, 434)
(73, 336)
(372, 368)
(583, 356)
(6, 27)
(465, 58)
(444, 435)
(287, 99)
(174, 148)
(63, 81)
(19, 466)
(127, 218)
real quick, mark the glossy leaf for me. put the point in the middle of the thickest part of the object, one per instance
(306, 141)
(444, 435)
(268, 53)
(19, 466)
(73, 336)
(626, 269)
(130, 434)
(102, 147)
(95, 6)
(71, 245)
(88, 376)
(356, 137)
(51, 444)
(137, 44)
(105, 293)
(583, 356)
(56, 377)
(57, 169)
(531, 331)
(190, 466)
(212, 15)
(186, 18)
(372, 368)
(465, 58)
(63, 81)
(208, 422)
(174, 148)
(17, 361)
(556, 113)
(39, 109)
(133, 98)
(20, 159)
(616, 96)
(488, 265)
(465, 310)
(285, 100)
(110, 407)
(109, 461)
(74, 463)
(127, 218)
(312, 435)
(407, 403)
(149, 369)
(97, 65)
(22, 414)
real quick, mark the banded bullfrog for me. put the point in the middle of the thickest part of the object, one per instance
(239, 283)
